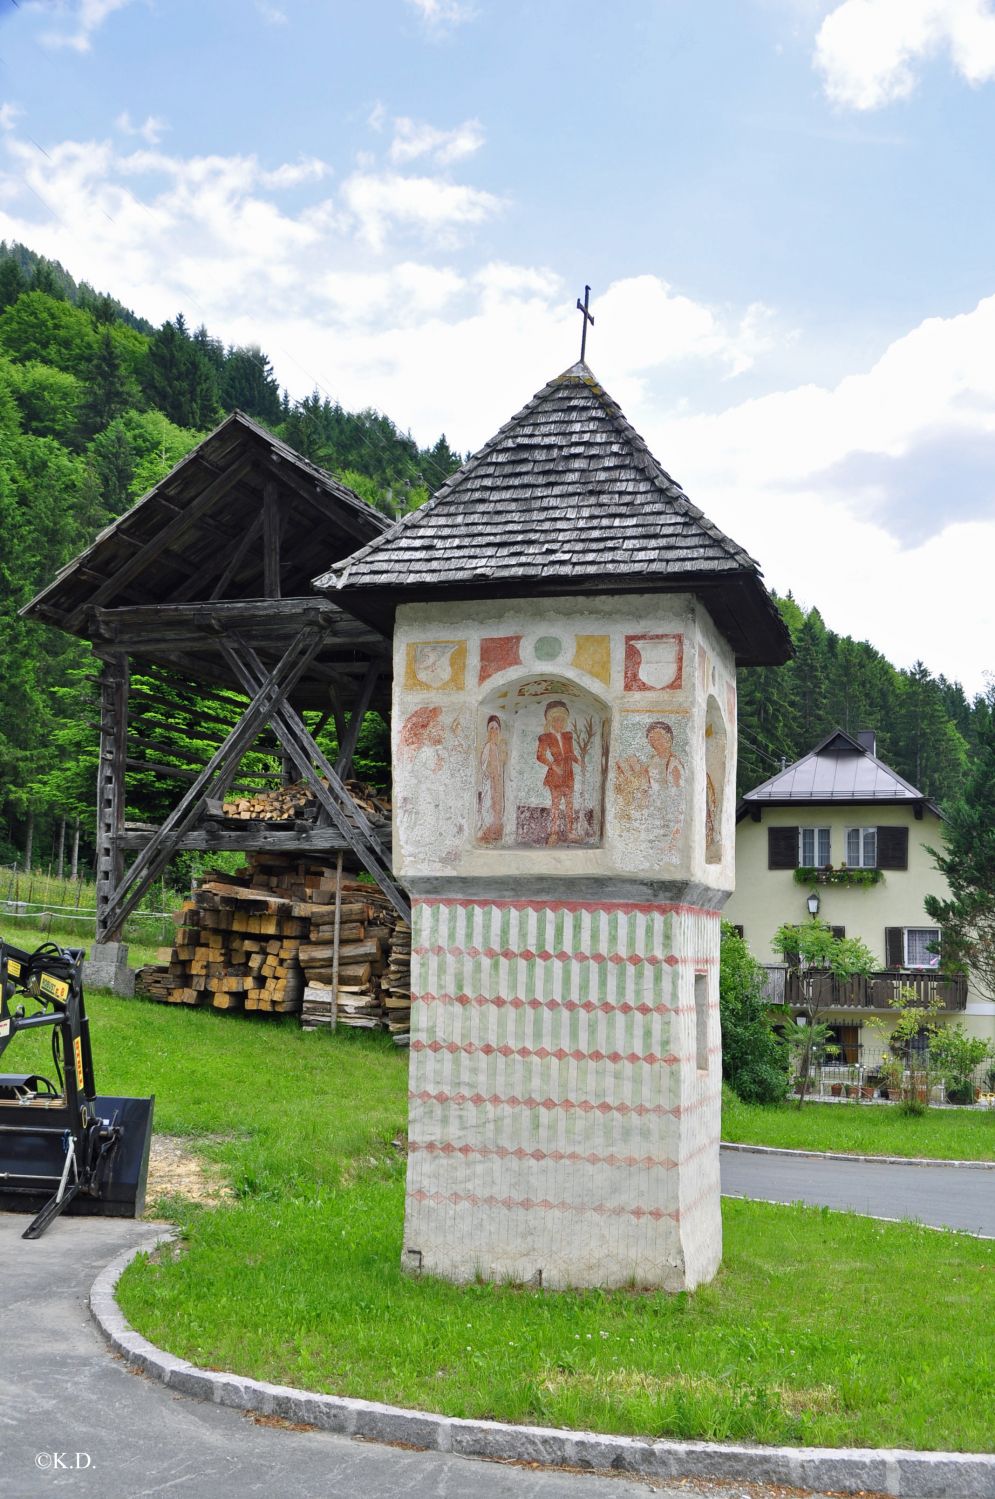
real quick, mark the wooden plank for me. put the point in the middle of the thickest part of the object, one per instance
(316, 769)
(181, 522)
(111, 767)
(219, 771)
(347, 747)
(271, 540)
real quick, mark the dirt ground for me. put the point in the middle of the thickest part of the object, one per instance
(176, 1170)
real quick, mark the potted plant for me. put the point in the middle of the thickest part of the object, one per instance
(956, 1056)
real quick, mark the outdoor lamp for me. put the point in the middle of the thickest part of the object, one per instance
(813, 904)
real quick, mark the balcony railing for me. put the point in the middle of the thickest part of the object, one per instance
(873, 991)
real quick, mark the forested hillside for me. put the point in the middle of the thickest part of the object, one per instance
(96, 406)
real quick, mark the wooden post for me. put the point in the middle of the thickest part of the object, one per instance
(74, 866)
(110, 788)
(335, 941)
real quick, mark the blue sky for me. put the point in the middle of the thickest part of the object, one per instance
(783, 208)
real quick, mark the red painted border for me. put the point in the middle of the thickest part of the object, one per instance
(628, 908)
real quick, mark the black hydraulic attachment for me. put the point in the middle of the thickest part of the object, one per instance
(63, 1146)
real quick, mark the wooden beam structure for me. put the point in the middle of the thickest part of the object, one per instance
(111, 766)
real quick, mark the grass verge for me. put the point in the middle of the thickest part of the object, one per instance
(821, 1328)
(861, 1129)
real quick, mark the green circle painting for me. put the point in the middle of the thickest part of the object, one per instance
(548, 647)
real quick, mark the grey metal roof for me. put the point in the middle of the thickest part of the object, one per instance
(837, 770)
(565, 492)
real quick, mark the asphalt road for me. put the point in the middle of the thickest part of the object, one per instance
(121, 1436)
(943, 1196)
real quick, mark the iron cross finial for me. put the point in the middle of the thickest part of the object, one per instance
(588, 318)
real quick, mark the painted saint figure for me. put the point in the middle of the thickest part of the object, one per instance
(493, 762)
(556, 751)
(651, 792)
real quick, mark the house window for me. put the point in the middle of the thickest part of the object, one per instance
(813, 847)
(918, 941)
(862, 848)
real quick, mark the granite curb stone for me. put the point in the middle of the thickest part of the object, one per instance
(846, 1470)
(842, 1155)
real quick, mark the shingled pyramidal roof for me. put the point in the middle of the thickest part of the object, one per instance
(565, 498)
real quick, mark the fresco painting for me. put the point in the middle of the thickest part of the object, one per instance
(435, 666)
(499, 653)
(541, 766)
(430, 822)
(492, 782)
(592, 653)
(651, 784)
(715, 780)
(653, 662)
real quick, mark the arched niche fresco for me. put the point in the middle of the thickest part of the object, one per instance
(716, 750)
(542, 745)
(651, 781)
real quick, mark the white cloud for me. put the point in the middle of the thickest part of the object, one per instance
(9, 115)
(870, 51)
(273, 15)
(151, 130)
(414, 138)
(84, 17)
(859, 497)
(382, 201)
(442, 13)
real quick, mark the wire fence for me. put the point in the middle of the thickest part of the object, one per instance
(38, 901)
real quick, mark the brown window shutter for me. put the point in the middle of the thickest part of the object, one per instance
(782, 848)
(894, 946)
(893, 848)
(737, 929)
(838, 931)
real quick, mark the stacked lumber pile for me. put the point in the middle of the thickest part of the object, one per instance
(236, 948)
(286, 803)
(263, 939)
(396, 985)
(153, 981)
(366, 923)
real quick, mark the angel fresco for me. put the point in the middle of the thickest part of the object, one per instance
(651, 791)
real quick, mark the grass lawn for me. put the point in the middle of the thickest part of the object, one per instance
(817, 1329)
(945, 1134)
(78, 932)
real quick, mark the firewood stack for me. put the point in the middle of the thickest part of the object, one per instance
(396, 985)
(366, 922)
(286, 803)
(283, 804)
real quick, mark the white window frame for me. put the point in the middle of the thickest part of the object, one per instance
(815, 862)
(868, 844)
(933, 959)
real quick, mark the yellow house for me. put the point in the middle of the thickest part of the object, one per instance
(841, 835)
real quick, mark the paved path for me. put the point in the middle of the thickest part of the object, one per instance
(943, 1196)
(62, 1391)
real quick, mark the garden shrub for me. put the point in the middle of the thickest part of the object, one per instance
(754, 1058)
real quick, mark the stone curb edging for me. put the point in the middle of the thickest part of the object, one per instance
(848, 1470)
(842, 1155)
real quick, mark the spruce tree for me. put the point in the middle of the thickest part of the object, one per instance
(108, 389)
(967, 917)
(12, 283)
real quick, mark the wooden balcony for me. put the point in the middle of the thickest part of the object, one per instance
(875, 991)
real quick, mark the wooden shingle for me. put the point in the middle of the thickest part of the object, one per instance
(565, 498)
